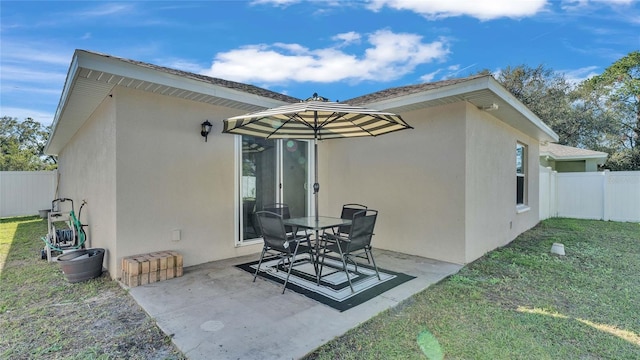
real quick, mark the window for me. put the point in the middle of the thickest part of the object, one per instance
(521, 174)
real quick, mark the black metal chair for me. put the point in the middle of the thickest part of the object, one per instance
(282, 209)
(348, 210)
(357, 242)
(278, 243)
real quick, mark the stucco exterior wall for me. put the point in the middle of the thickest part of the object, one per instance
(87, 172)
(492, 219)
(415, 178)
(169, 178)
(572, 166)
(445, 189)
(586, 165)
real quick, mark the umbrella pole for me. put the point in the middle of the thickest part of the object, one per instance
(316, 185)
(316, 189)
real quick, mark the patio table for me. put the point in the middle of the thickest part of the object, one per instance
(320, 224)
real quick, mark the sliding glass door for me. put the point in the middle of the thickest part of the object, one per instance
(272, 171)
(295, 175)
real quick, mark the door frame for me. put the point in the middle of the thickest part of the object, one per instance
(238, 215)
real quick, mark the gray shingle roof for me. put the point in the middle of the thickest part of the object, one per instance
(250, 89)
(558, 151)
(407, 90)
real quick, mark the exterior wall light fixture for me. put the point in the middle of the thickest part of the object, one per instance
(206, 129)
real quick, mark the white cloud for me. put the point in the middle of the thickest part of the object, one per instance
(180, 64)
(10, 89)
(25, 74)
(430, 76)
(348, 37)
(575, 4)
(23, 113)
(17, 52)
(615, 2)
(388, 56)
(106, 10)
(451, 71)
(480, 9)
(577, 76)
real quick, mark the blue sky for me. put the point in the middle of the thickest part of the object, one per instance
(339, 49)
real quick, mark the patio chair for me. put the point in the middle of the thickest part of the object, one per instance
(278, 243)
(348, 210)
(281, 209)
(357, 242)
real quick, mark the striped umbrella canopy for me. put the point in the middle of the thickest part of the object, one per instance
(318, 119)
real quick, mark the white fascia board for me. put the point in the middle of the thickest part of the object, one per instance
(505, 95)
(103, 63)
(118, 67)
(455, 90)
(602, 157)
(458, 91)
(66, 89)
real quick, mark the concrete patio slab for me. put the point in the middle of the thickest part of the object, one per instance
(215, 311)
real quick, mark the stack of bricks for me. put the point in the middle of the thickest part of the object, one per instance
(149, 268)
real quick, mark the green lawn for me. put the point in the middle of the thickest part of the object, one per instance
(43, 316)
(520, 302)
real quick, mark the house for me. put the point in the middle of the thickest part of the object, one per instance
(563, 158)
(127, 134)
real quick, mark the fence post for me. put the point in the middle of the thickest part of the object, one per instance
(606, 212)
(553, 202)
(548, 193)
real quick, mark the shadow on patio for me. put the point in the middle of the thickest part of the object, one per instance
(215, 311)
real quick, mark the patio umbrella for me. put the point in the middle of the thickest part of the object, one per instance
(318, 119)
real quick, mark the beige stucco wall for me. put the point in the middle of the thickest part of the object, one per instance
(585, 165)
(573, 166)
(169, 178)
(492, 219)
(149, 148)
(415, 178)
(87, 172)
(445, 190)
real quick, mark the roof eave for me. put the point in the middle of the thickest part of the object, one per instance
(480, 92)
(51, 147)
(602, 157)
(86, 65)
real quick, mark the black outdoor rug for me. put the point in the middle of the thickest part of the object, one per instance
(334, 288)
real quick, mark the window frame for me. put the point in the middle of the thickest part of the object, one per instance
(522, 174)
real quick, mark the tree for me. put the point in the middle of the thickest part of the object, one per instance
(22, 145)
(615, 97)
(600, 114)
(549, 95)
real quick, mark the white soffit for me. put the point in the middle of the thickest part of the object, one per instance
(480, 92)
(92, 77)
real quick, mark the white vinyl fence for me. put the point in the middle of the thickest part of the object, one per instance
(26, 192)
(607, 195)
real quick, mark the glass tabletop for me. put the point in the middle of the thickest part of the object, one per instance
(323, 222)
